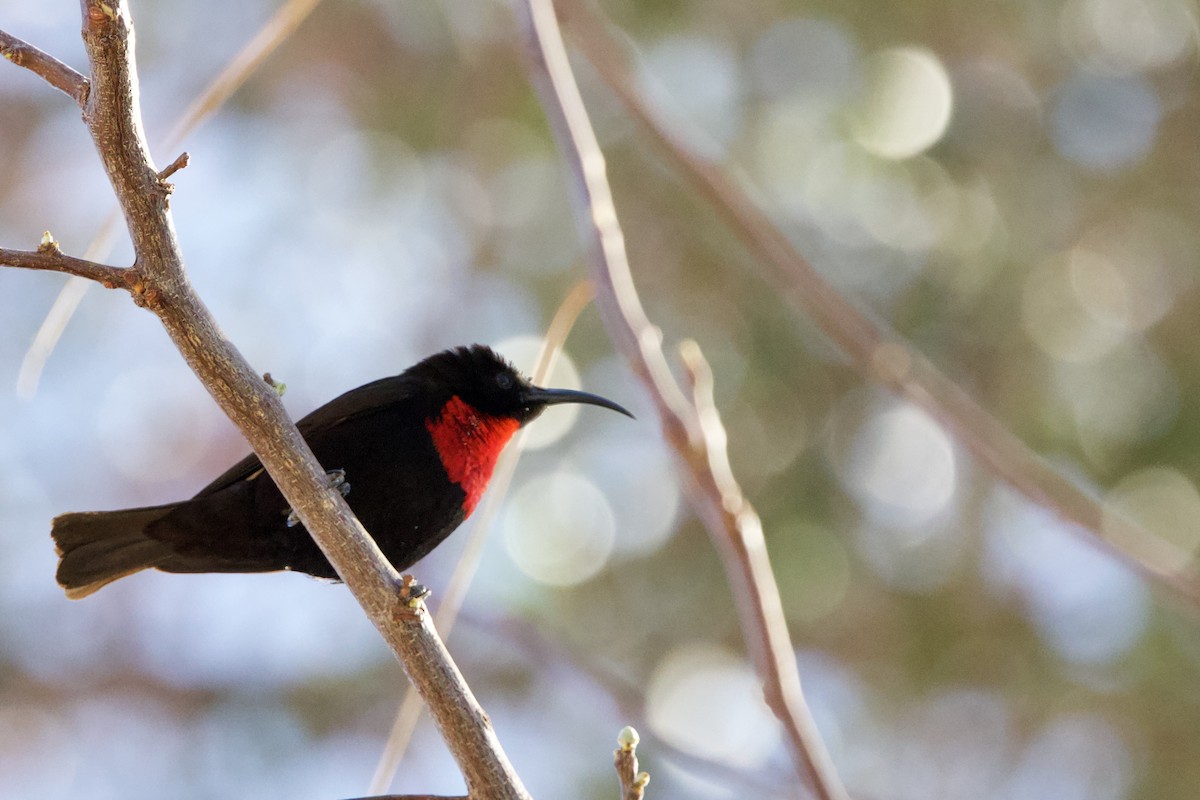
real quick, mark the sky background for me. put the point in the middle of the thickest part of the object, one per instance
(1013, 185)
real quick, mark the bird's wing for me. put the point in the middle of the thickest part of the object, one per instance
(367, 399)
(240, 471)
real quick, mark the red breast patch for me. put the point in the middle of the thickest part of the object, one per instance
(469, 441)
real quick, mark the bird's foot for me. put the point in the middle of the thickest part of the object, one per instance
(337, 480)
(411, 592)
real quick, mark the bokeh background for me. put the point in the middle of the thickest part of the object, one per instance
(1013, 184)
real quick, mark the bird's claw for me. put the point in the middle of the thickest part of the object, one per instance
(337, 480)
(411, 592)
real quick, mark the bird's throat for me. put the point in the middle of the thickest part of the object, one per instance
(468, 442)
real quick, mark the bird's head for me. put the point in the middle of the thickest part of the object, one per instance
(480, 377)
(478, 401)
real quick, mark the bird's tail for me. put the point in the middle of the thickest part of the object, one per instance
(96, 548)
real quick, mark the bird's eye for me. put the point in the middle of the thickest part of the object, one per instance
(504, 380)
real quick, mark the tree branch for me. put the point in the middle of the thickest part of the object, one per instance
(876, 351)
(633, 782)
(158, 278)
(53, 71)
(181, 161)
(692, 428)
(455, 593)
(50, 258)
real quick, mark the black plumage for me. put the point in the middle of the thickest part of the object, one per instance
(417, 449)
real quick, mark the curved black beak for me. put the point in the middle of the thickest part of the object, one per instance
(536, 395)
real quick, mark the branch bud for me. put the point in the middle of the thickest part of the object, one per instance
(628, 738)
(48, 244)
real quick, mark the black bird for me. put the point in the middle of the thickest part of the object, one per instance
(417, 448)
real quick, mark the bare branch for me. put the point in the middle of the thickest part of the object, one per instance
(692, 428)
(50, 258)
(113, 117)
(179, 163)
(53, 71)
(472, 553)
(633, 782)
(876, 351)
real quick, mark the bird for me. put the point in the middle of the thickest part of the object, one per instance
(412, 453)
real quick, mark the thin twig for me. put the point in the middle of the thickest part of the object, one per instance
(53, 71)
(693, 431)
(876, 351)
(633, 782)
(159, 281)
(52, 259)
(179, 163)
(468, 563)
